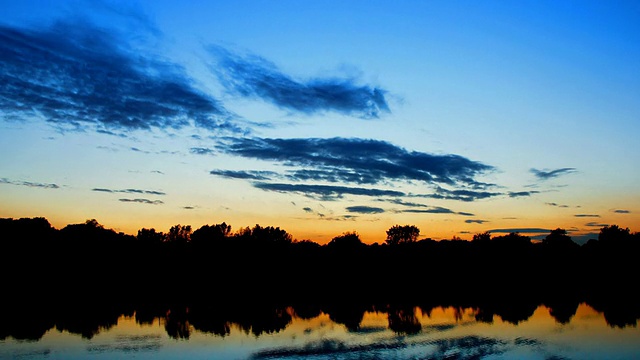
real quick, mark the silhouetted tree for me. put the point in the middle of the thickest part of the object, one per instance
(150, 236)
(559, 240)
(613, 234)
(179, 234)
(482, 237)
(402, 234)
(346, 241)
(211, 233)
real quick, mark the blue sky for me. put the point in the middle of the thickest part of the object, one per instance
(323, 117)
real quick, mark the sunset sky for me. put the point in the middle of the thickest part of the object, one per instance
(322, 117)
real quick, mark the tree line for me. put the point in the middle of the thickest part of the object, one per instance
(215, 261)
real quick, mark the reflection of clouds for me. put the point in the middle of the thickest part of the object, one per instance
(464, 347)
(363, 330)
(29, 354)
(129, 343)
(467, 347)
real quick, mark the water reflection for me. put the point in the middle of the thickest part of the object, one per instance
(26, 321)
(317, 331)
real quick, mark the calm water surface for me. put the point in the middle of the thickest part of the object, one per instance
(409, 333)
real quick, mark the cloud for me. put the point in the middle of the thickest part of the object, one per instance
(359, 161)
(558, 205)
(521, 230)
(522, 193)
(143, 201)
(75, 74)
(587, 215)
(404, 203)
(308, 209)
(545, 175)
(434, 210)
(29, 184)
(595, 224)
(460, 195)
(620, 211)
(365, 209)
(130, 191)
(254, 77)
(324, 192)
(247, 175)
(476, 221)
(201, 151)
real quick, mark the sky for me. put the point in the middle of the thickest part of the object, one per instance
(323, 117)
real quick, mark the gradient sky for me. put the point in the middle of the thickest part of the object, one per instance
(322, 117)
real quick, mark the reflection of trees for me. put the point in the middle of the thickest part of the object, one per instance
(176, 323)
(478, 274)
(403, 319)
(348, 314)
(28, 322)
(563, 309)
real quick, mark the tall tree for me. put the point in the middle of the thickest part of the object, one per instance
(402, 234)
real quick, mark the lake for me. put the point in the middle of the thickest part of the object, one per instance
(337, 330)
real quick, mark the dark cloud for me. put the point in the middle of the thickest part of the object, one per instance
(434, 210)
(587, 215)
(620, 211)
(520, 230)
(254, 77)
(130, 191)
(76, 74)
(143, 201)
(29, 184)
(522, 193)
(247, 175)
(365, 209)
(360, 161)
(189, 207)
(558, 205)
(338, 218)
(324, 192)
(308, 209)
(201, 151)
(595, 224)
(460, 195)
(545, 175)
(476, 221)
(404, 203)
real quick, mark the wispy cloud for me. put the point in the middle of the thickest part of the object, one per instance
(202, 151)
(556, 204)
(515, 194)
(475, 221)
(621, 211)
(130, 191)
(595, 224)
(255, 77)
(434, 210)
(143, 201)
(365, 209)
(325, 192)
(587, 215)
(521, 230)
(360, 161)
(459, 195)
(247, 175)
(550, 174)
(75, 74)
(310, 163)
(29, 184)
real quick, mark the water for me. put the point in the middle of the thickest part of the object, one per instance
(334, 331)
